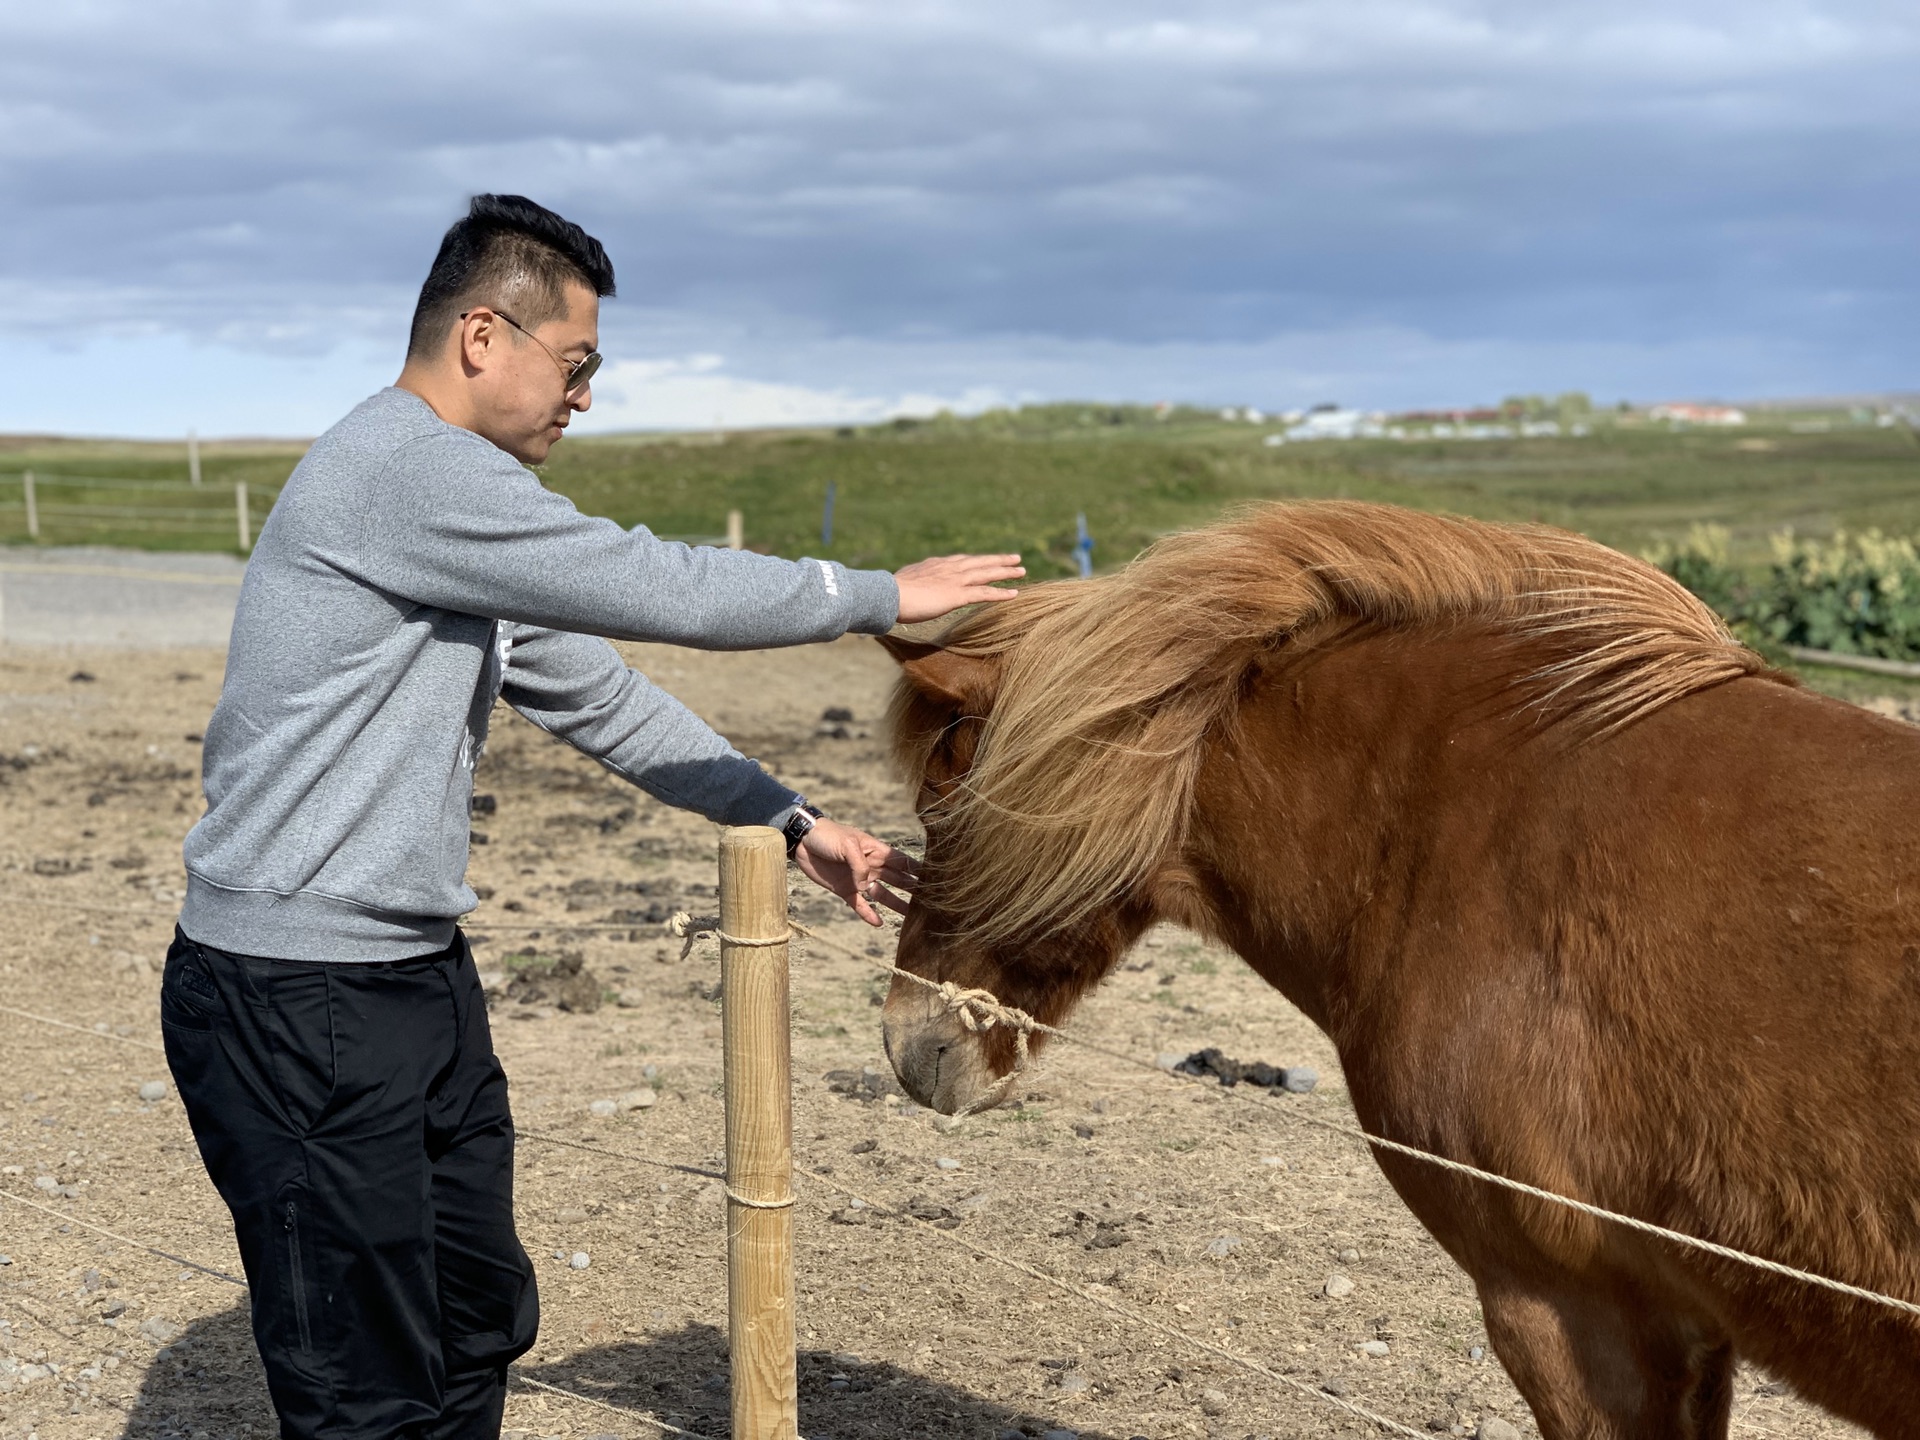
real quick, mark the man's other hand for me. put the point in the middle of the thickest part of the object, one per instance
(857, 868)
(933, 587)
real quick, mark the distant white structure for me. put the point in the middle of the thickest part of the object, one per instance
(1685, 413)
(1330, 422)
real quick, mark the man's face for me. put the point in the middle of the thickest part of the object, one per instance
(519, 386)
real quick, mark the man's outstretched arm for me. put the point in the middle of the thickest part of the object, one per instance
(577, 688)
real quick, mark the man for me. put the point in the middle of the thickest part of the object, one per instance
(322, 1016)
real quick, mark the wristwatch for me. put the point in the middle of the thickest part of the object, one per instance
(799, 824)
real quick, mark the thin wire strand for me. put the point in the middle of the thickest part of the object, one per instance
(1112, 1307)
(992, 1011)
(1033, 1272)
(665, 1427)
(83, 1029)
(1007, 1014)
(517, 1374)
(124, 1240)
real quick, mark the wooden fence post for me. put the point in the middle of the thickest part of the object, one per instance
(33, 507)
(758, 1069)
(736, 531)
(240, 516)
(193, 457)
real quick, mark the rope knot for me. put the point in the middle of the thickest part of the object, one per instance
(692, 928)
(980, 1010)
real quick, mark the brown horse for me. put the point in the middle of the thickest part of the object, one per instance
(1583, 893)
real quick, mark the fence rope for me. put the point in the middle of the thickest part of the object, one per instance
(71, 1219)
(984, 1004)
(84, 1030)
(983, 1252)
(1112, 1307)
(665, 1427)
(514, 1371)
(1025, 1023)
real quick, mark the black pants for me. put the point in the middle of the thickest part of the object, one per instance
(355, 1121)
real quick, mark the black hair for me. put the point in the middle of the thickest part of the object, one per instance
(509, 252)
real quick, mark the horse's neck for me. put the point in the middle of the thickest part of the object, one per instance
(1342, 764)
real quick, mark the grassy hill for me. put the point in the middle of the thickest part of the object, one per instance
(1016, 480)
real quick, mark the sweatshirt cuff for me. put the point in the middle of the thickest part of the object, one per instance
(873, 600)
(762, 800)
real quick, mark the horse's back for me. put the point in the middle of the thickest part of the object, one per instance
(1706, 1009)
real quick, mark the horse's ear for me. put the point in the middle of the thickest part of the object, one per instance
(963, 681)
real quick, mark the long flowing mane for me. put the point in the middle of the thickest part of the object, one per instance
(1084, 772)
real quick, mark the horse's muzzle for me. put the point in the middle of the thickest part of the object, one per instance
(939, 1062)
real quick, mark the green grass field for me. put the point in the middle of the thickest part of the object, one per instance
(1016, 481)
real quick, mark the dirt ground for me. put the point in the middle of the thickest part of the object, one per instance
(1214, 1218)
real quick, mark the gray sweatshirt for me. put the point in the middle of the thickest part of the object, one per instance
(410, 574)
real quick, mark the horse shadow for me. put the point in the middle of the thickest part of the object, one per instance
(209, 1380)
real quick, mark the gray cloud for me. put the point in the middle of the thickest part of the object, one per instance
(958, 182)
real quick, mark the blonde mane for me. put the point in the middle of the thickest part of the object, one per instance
(1085, 768)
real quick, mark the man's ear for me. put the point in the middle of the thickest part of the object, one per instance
(966, 682)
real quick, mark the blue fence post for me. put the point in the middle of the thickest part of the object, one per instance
(1083, 546)
(826, 516)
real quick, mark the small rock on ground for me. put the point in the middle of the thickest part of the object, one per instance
(580, 1260)
(1378, 1349)
(1338, 1287)
(1214, 1402)
(151, 1090)
(1494, 1428)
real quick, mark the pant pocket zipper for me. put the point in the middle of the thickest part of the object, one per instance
(299, 1278)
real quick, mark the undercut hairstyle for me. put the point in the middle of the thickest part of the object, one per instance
(512, 254)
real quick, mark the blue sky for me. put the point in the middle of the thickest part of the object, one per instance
(216, 214)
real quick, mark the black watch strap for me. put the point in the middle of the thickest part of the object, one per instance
(798, 824)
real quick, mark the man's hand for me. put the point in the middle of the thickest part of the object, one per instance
(931, 588)
(857, 868)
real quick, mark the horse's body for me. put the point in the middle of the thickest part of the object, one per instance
(1672, 969)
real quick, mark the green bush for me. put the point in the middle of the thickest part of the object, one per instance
(1854, 594)
(1700, 563)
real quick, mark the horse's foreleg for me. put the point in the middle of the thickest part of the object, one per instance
(1593, 1368)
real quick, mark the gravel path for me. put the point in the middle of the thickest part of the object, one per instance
(129, 599)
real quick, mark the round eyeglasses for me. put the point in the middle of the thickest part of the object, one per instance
(578, 372)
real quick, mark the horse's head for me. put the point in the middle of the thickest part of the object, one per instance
(950, 1055)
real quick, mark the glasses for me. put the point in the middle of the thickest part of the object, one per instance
(578, 372)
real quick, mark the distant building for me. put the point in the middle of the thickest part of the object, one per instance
(1329, 422)
(1686, 413)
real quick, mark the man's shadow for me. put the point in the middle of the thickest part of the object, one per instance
(209, 1379)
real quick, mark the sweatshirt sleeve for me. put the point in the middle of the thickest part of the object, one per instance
(577, 687)
(456, 523)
